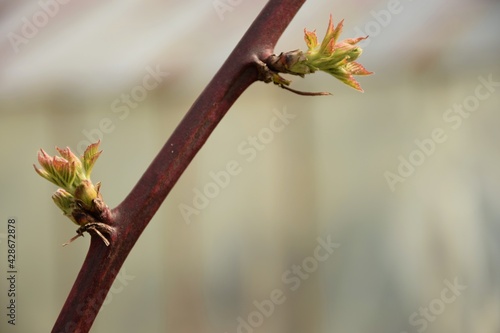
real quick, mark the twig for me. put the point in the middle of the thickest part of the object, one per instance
(129, 219)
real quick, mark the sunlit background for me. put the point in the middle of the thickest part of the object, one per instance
(402, 181)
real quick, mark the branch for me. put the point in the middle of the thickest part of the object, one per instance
(130, 218)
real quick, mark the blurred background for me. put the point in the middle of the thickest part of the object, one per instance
(374, 212)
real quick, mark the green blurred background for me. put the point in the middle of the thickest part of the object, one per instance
(323, 176)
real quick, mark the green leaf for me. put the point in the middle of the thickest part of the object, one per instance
(90, 156)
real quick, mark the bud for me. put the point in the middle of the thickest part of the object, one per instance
(335, 58)
(67, 171)
(86, 192)
(66, 202)
(78, 198)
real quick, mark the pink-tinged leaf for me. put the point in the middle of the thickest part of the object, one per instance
(344, 48)
(311, 39)
(356, 68)
(59, 163)
(328, 35)
(65, 153)
(91, 150)
(42, 173)
(62, 170)
(68, 155)
(44, 159)
(90, 157)
(351, 81)
(329, 30)
(338, 30)
(330, 48)
(354, 41)
(346, 77)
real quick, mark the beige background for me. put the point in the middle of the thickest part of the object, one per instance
(322, 176)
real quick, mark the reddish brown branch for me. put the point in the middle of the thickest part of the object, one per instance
(129, 219)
